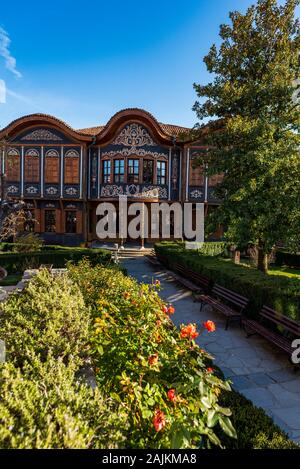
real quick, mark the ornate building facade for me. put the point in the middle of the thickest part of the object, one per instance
(63, 173)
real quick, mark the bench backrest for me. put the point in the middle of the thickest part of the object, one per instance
(281, 320)
(229, 295)
(190, 274)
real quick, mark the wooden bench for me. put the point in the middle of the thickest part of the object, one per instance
(190, 279)
(291, 328)
(227, 302)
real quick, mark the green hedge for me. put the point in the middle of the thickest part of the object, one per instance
(281, 293)
(287, 258)
(18, 262)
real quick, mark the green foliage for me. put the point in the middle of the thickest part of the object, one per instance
(46, 406)
(30, 242)
(14, 262)
(288, 258)
(255, 140)
(48, 317)
(280, 292)
(255, 429)
(139, 355)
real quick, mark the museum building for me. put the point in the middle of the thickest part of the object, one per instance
(63, 174)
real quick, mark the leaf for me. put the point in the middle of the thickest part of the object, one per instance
(212, 418)
(227, 426)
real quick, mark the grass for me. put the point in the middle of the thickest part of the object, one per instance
(11, 279)
(284, 271)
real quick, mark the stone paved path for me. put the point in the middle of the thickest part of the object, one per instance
(257, 370)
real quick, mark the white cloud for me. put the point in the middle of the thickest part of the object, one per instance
(10, 61)
(2, 92)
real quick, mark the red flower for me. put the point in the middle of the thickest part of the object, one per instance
(158, 322)
(210, 370)
(157, 283)
(153, 359)
(189, 331)
(210, 326)
(164, 309)
(159, 420)
(171, 395)
(171, 310)
(126, 295)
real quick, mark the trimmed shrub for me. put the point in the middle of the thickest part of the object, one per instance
(255, 429)
(281, 293)
(30, 242)
(46, 406)
(14, 262)
(287, 258)
(48, 317)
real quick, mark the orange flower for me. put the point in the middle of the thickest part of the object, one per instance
(126, 295)
(153, 359)
(159, 420)
(171, 395)
(189, 332)
(171, 310)
(210, 326)
(164, 309)
(158, 322)
(210, 370)
(157, 283)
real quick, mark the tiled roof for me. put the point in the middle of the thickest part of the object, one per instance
(169, 129)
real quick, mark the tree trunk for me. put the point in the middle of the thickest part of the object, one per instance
(236, 257)
(262, 260)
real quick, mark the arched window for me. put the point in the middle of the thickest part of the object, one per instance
(52, 166)
(32, 166)
(12, 165)
(71, 167)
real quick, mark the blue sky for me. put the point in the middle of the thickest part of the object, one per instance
(82, 61)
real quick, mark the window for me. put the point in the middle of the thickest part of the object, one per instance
(119, 171)
(32, 166)
(196, 175)
(50, 221)
(106, 171)
(133, 171)
(148, 171)
(12, 166)
(52, 167)
(161, 172)
(71, 221)
(71, 167)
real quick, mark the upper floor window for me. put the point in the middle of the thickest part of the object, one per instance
(118, 170)
(215, 179)
(52, 166)
(72, 167)
(133, 171)
(12, 165)
(148, 171)
(161, 172)
(106, 171)
(32, 166)
(196, 175)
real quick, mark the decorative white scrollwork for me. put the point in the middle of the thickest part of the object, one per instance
(134, 135)
(31, 190)
(196, 194)
(71, 191)
(51, 190)
(52, 153)
(12, 189)
(71, 153)
(41, 134)
(133, 190)
(137, 152)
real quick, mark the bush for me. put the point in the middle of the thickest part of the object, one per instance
(30, 242)
(288, 258)
(46, 406)
(48, 317)
(14, 262)
(254, 428)
(139, 357)
(281, 293)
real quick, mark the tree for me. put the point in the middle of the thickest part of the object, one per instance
(254, 138)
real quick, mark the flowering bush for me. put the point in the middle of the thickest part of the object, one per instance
(157, 373)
